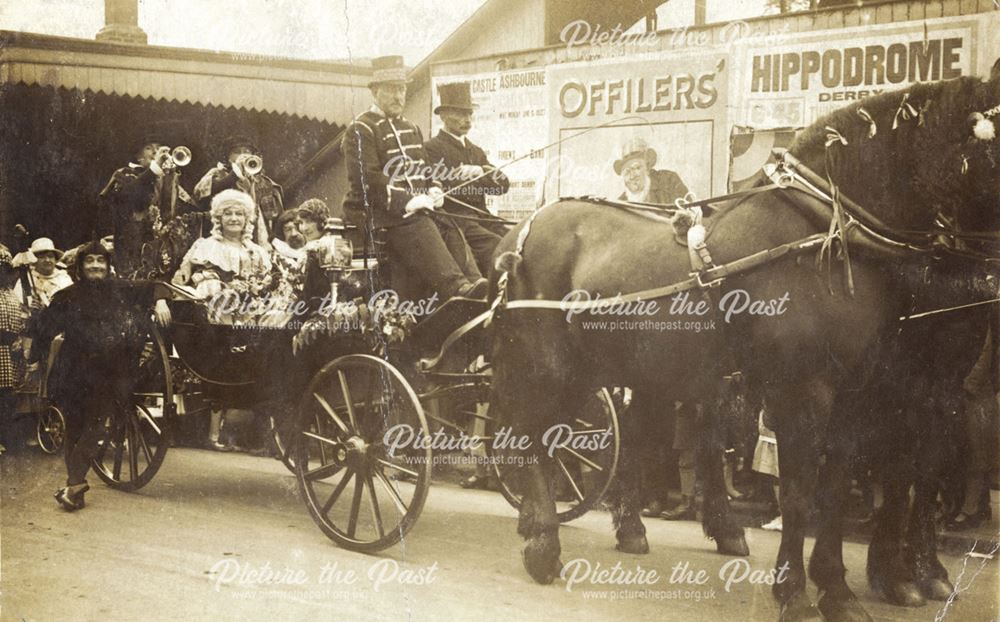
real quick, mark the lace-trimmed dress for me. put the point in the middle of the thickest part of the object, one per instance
(212, 262)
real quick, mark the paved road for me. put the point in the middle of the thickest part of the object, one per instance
(194, 544)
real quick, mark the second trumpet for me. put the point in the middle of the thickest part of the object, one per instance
(252, 164)
(179, 156)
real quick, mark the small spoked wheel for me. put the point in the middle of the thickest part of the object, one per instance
(50, 432)
(136, 438)
(361, 454)
(583, 461)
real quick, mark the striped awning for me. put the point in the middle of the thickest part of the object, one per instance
(330, 92)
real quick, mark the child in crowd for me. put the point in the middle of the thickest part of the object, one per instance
(765, 462)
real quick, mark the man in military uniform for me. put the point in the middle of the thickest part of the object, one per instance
(391, 192)
(267, 194)
(455, 160)
(132, 201)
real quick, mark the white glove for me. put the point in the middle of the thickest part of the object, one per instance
(437, 195)
(239, 169)
(156, 168)
(470, 171)
(419, 202)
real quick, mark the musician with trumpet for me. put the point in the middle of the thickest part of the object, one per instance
(244, 170)
(138, 197)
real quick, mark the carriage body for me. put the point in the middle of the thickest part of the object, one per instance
(333, 404)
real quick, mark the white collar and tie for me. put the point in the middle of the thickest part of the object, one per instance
(462, 140)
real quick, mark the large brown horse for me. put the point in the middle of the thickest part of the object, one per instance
(913, 159)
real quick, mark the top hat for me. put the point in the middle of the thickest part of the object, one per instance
(457, 95)
(633, 148)
(44, 245)
(388, 69)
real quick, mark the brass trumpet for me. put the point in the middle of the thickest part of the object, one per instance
(178, 157)
(181, 156)
(252, 164)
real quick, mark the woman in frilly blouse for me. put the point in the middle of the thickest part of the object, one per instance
(229, 252)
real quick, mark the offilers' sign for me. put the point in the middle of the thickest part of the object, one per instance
(627, 96)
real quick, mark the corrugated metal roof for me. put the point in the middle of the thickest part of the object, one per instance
(331, 92)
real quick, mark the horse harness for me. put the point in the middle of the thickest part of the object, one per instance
(848, 222)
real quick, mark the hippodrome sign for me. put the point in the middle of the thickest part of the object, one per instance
(792, 83)
(872, 65)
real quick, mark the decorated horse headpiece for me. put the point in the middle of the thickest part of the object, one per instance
(982, 123)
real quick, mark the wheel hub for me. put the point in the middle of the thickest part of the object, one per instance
(354, 452)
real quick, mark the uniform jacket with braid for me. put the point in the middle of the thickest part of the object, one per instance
(386, 167)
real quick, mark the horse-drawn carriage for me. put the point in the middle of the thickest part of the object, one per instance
(357, 414)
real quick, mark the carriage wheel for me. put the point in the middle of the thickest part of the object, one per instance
(51, 430)
(581, 476)
(285, 453)
(137, 439)
(363, 492)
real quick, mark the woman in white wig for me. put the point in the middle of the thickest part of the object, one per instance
(229, 251)
(213, 266)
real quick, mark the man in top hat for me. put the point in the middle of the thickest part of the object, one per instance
(234, 173)
(391, 192)
(455, 160)
(132, 201)
(643, 183)
(46, 276)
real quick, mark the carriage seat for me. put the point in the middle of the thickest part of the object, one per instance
(371, 252)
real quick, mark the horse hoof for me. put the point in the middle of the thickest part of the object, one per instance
(937, 589)
(842, 609)
(736, 546)
(799, 609)
(903, 593)
(540, 563)
(637, 545)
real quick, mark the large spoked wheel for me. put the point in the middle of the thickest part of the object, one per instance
(583, 467)
(137, 438)
(283, 447)
(50, 430)
(361, 466)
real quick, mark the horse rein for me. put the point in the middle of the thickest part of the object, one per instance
(917, 240)
(790, 175)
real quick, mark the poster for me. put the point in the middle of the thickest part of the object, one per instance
(750, 150)
(672, 109)
(792, 83)
(510, 124)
